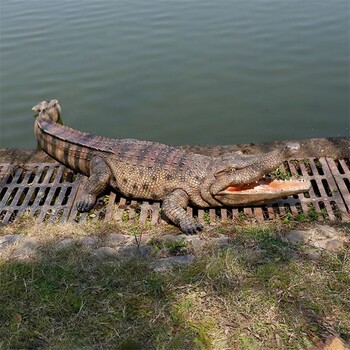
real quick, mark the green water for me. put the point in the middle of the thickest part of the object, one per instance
(179, 72)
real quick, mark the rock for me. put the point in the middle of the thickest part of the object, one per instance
(142, 239)
(105, 253)
(26, 249)
(323, 231)
(296, 237)
(189, 238)
(115, 239)
(313, 253)
(320, 236)
(166, 264)
(7, 240)
(88, 241)
(197, 244)
(168, 238)
(222, 242)
(330, 244)
(291, 254)
(64, 244)
(135, 251)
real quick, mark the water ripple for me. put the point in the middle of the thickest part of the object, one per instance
(177, 72)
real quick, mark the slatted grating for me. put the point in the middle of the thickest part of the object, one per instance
(49, 192)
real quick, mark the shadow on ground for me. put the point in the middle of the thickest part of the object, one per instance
(257, 292)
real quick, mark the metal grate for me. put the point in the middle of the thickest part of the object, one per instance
(49, 191)
(341, 173)
(45, 191)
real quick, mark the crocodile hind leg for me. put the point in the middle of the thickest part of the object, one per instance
(100, 175)
(174, 206)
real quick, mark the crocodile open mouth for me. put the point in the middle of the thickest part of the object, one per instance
(262, 191)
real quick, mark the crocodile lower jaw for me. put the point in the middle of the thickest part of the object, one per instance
(261, 191)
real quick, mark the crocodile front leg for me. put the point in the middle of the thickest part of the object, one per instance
(100, 175)
(174, 206)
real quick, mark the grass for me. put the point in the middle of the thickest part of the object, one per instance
(251, 295)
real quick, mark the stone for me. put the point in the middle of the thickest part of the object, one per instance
(88, 241)
(135, 250)
(142, 239)
(197, 244)
(296, 237)
(330, 244)
(291, 254)
(115, 239)
(222, 242)
(26, 249)
(324, 231)
(7, 240)
(64, 244)
(320, 236)
(105, 253)
(167, 264)
(168, 238)
(313, 253)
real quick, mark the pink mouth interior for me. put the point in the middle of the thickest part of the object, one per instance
(268, 184)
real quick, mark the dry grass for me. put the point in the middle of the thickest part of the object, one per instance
(250, 295)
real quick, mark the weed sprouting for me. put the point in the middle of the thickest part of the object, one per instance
(281, 174)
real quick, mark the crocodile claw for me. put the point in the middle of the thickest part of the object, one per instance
(191, 228)
(86, 203)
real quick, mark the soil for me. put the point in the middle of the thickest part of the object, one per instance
(333, 147)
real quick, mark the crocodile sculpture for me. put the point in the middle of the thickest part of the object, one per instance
(155, 171)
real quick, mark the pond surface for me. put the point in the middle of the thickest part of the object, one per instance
(178, 72)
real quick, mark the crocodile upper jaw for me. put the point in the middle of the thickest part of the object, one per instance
(261, 191)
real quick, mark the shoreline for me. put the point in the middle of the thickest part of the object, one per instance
(333, 147)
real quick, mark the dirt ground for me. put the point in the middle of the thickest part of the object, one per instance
(333, 147)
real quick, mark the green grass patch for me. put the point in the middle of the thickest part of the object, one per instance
(250, 295)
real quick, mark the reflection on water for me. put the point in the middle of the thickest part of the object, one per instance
(180, 72)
